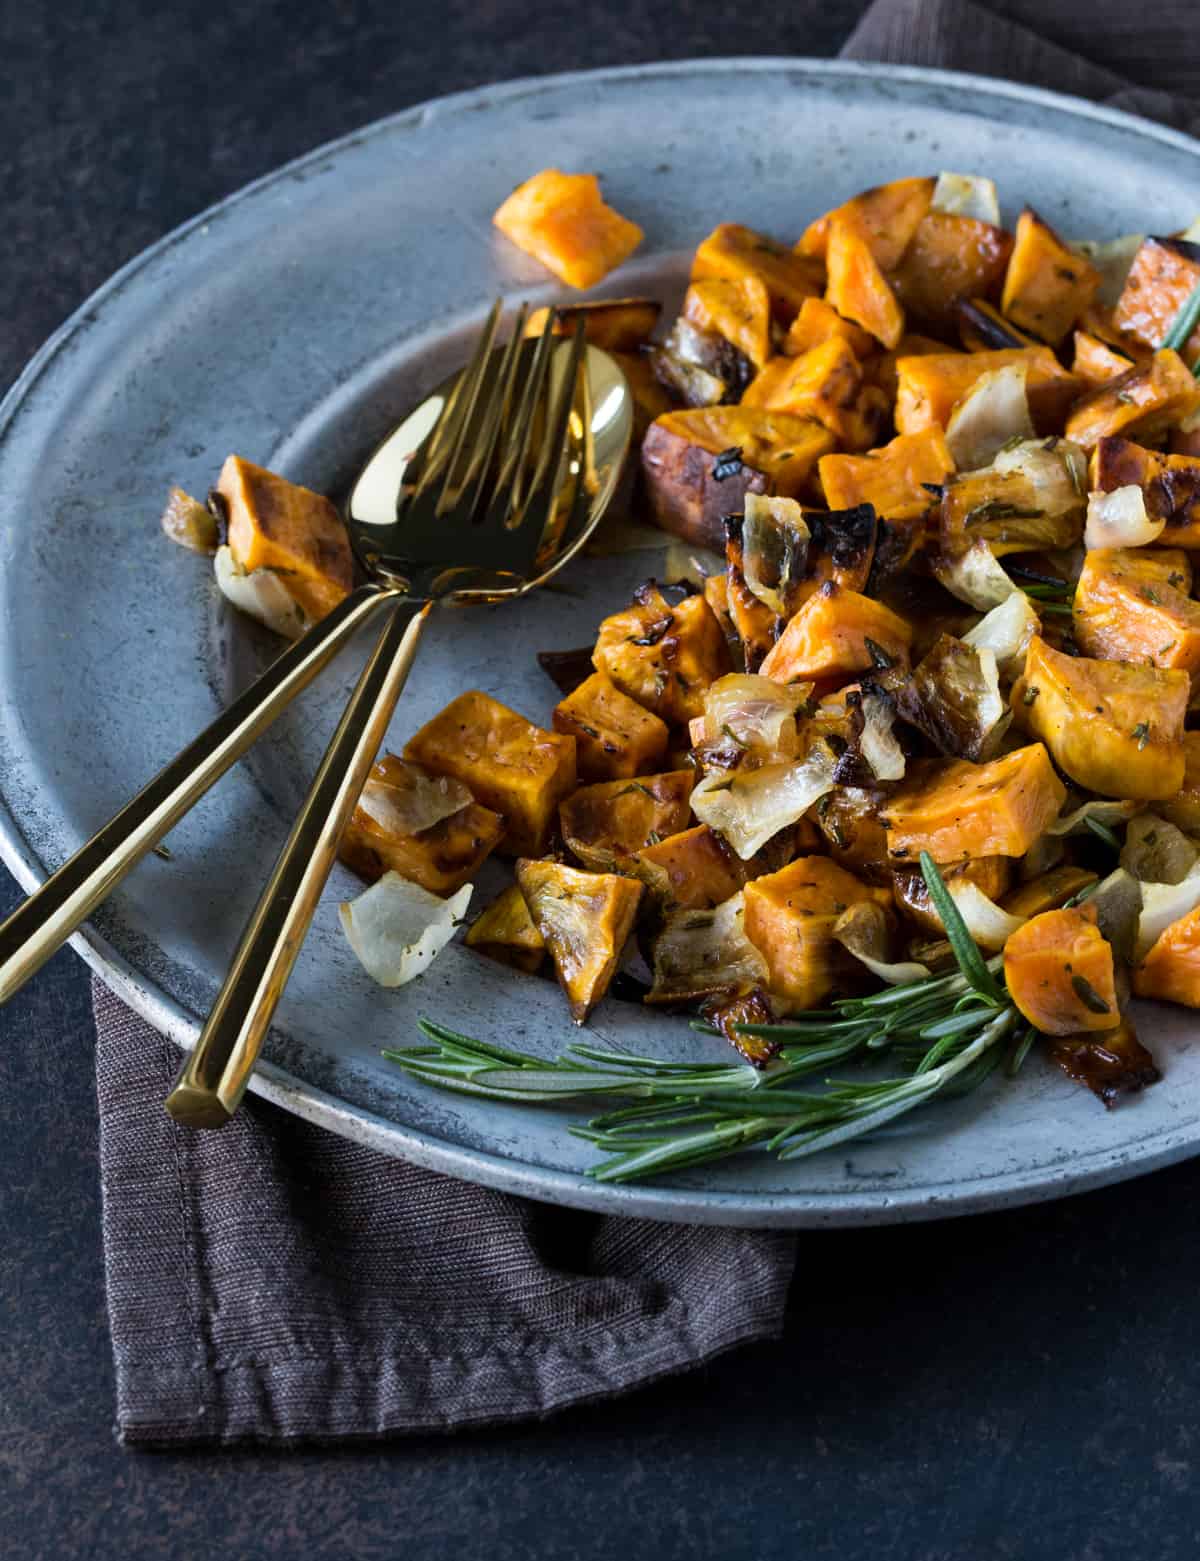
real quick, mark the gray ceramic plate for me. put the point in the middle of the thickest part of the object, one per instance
(292, 324)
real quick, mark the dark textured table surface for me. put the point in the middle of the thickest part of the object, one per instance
(1019, 1385)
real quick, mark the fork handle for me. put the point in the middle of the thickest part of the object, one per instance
(214, 1077)
(51, 914)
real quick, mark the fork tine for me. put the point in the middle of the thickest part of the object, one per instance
(555, 433)
(505, 494)
(495, 413)
(452, 426)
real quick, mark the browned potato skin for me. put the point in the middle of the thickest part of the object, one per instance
(605, 825)
(508, 763)
(615, 736)
(609, 905)
(505, 932)
(440, 859)
(686, 499)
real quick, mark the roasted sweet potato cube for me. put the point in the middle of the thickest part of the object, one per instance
(562, 220)
(663, 656)
(620, 325)
(958, 811)
(691, 870)
(990, 874)
(856, 286)
(887, 215)
(1132, 606)
(1183, 809)
(505, 932)
(1049, 891)
(982, 328)
(1171, 970)
(929, 386)
(614, 735)
(737, 308)
(790, 917)
(822, 384)
(584, 919)
(1114, 728)
(509, 764)
(950, 257)
(1170, 483)
(1142, 404)
(835, 634)
(1095, 362)
(1164, 274)
(699, 464)
(275, 524)
(881, 369)
(604, 825)
(1047, 286)
(1058, 969)
(817, 322)
(441, 857)
(892, 479)
(733, 251)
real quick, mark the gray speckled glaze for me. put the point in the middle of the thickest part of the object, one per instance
(293, 324)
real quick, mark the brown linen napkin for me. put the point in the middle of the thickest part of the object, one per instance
(274, 1283)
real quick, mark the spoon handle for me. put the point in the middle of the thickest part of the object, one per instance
(214, 1077)
(51, 914)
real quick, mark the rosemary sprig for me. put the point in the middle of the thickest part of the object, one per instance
(944, 1034)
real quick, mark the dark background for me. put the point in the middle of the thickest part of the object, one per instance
(1017, 1385)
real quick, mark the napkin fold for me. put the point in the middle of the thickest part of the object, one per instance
(276, 1284)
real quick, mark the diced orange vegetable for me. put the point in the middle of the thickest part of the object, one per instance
(887, 216)
(857, 288)
(1144, 402)
(1047, 286)
(817, 322)
(505, 932)
(990, 874)
(982, 328)
(1171, 970)
(508, 763)
(615, 324)
(1170, 483)
(690, 492)
(585, 920)
(1095, 362)
(1049, 891)
(881, 370)
(614, 735)
(790, 917)
(441, 858)
(561, 219)
(734, 251)
(958, 811)
(737, 308)
(950, 257)
(1114, 728)
(1183, 809)
(929, 387)
(1164, 274)
(892, 479)
(1126, 609)
(663, 656)
(691, 870)
(1058, 969)
(276, 524)
(835, 634)
(605, 824)
(822, 384)
(869, 420)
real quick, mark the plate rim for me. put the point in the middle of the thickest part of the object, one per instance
(661, 1201)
